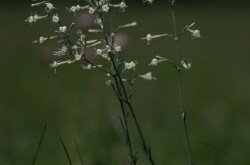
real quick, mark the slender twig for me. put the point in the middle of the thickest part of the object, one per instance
(182, 110)
(100, 68)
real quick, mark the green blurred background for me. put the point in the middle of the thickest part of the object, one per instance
(78, 104)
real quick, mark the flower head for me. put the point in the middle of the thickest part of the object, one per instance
(158, 59)
(105, 8)
(149, 1)
(186, 64)
(130, 65)
(62, 29)
(34, 18)
(49, 6)
(148, 76)
(55, 18)
(62, 51)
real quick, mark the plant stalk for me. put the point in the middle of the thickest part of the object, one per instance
(182, 110)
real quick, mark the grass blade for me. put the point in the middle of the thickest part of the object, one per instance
(65, 148)
(39, 144)
(78, 151)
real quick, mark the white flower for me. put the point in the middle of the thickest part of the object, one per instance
(49, 6)
(148, 76)
(62, 51)
(42, 39)
(118, 48)
(157, 60)
(91, 10)
(78, 57)
(74, 47)
(130, 65)
(149, 37)
(99, 51)
(54, 64)
(149, 1)
(195, 33)
(55, 18)
(154, 62)
(186, 64)
(105, 8)
(34, 18)
(108, 82)
(73, 9)
(123, 6)
(98, 21)
(62, 29)
(88, 67)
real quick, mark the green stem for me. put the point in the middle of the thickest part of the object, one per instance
(147, 149)
(125, 122)
(118, 87)
(182, 110)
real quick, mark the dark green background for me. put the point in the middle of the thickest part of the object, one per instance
(78, 104)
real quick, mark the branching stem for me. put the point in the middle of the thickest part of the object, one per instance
(182, 110)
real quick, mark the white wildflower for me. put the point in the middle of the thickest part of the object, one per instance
(49, 7)
(186, 64)
(91, 10)
(130, 65)
(62, 51)
(34, 18)
(195, 33)
(88, 67)
(54, 64)
(149, 1)
(118, 48)
(105, 8)
(78, 57)
(148, 76)
(77, 8)
(121, 5)
(108, 82)
(74, 47)
(73, 9)
(99, 51)
(98, 21)
(62, 29)
(55, 18)
(42, 39)
(157, 60)
(149, 37)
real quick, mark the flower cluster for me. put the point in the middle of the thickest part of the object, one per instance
(104, 47)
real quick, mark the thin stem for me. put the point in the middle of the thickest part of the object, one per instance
(101, 69)
(125, 123)
(182, 110)
(120, 95)
(120, 84)
(146, 149)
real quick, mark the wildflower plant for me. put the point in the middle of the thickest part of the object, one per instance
(179, 64)
(114, 64)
